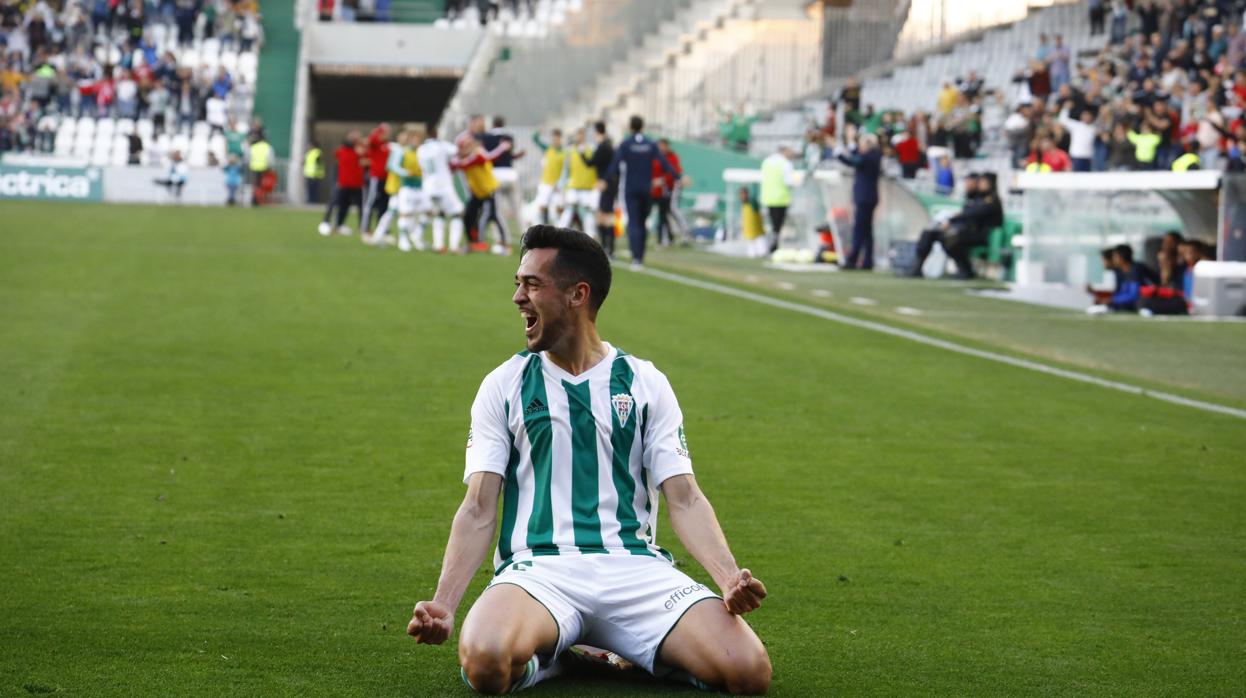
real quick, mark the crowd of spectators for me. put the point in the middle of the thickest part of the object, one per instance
(118, 58)
(1168, 94)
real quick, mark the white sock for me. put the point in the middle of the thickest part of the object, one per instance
(456, 234)
(382, 226)
(417, 235)
(544, 670)
(565, 219)
(439, 233)
(590, 222)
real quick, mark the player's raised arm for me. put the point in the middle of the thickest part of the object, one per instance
(471, 535)
(695, 523)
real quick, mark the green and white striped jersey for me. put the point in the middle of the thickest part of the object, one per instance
(581, 457)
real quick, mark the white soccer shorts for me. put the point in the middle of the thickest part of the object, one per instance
(627, 604)
(583, 197)
(412, 201)
(546, 196)
(445, 202)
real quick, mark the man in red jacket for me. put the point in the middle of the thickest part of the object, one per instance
(664, 191)
(375, 200)
(349, 192)
(908, 152)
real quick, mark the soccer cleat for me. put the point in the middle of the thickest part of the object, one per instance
(597, 658)
(637, 266)
(501, 250)
(344, 230)
(325, 229)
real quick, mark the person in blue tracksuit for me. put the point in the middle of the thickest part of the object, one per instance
(636, 154)
(867, 160)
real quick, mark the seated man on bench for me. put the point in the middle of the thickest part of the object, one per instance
(966, 230)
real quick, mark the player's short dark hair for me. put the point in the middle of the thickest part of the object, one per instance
(600, 127)
(579, 258)
(1125, 252)
(636, 123)
(499, 121)
(556, 132)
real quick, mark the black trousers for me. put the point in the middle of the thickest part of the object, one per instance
(956, 241)
(479, 213)
(778, 215)
(343, 200)
(664, 220)
(638, 207)
(862, 254)
(374, 203)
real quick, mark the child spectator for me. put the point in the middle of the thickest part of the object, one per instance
(233, 179)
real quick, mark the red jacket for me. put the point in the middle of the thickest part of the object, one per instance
(668, 179)
(378, 154)
(1056, 159)
(908, 151)
(349, 168)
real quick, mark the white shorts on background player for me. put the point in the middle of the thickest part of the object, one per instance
(546, 196)
(627, 604)
(443, 202)
(582, 197)
(411, 201)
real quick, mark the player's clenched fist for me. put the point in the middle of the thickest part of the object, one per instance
(431, 623)
(745, 594)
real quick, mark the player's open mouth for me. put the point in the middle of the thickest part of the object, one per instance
(530, 320)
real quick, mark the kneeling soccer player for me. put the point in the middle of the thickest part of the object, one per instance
(576, 437)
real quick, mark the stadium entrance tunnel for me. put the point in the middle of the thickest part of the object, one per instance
(363, 100)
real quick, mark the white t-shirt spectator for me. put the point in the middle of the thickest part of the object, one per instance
(215, 107)
(127, 90)
(1081, 137)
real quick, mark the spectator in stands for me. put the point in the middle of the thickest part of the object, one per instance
(866, 160)
(1097, 13)
(1121, 149)
(850, 95)
(736, 129)
(1058, 63)
(945, 177)
(1047, 157)
(1082, 133)
(776, 195)
(1146, 146)
(908, 153)
(134, 146)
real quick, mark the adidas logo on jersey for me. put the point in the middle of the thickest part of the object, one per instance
(534, 407)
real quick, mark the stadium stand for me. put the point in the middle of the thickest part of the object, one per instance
(78, 85)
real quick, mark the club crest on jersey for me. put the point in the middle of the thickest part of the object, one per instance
(622, 406)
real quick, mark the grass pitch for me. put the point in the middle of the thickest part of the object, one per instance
(230, 451)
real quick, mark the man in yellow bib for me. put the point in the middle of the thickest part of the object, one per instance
(581, 196)
(552, 166)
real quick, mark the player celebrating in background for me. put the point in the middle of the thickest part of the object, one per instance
(443, 201)
(406, 198)
(477, 166)
(576, 438)
(552, 166)
(375, 199)
(581, 195)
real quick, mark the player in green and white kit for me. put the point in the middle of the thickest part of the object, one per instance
(577, 438)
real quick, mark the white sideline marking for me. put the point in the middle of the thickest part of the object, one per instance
(952, 346)
(863, 301)
(905, 310)
(822, 293)
(786, 286)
